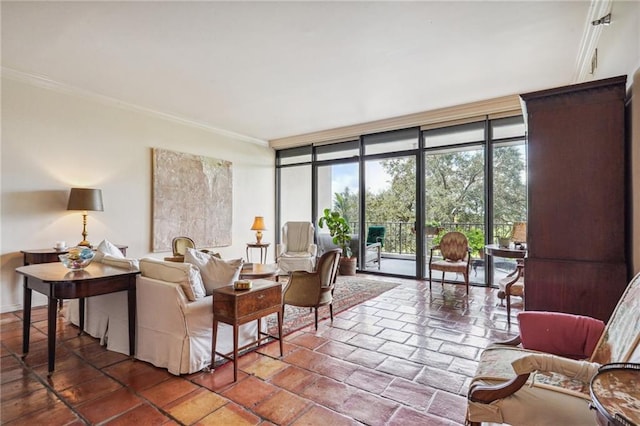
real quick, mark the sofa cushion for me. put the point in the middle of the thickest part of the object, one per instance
(185, 274)
(107, 247)
(124, 263)
(215, 272)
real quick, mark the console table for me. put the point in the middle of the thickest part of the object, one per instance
(237, 307)
(57, 282)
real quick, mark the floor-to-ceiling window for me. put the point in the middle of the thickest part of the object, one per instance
(413, 185)
(454, 188)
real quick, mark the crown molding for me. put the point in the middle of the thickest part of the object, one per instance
(47, 83)
(503, 106)
(590, 38)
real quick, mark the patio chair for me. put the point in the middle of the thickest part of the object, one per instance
(555, 345)
(297, 251)
(313, 289)
(374, 244)
(456, 256)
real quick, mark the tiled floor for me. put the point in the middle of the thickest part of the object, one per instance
(403, 358)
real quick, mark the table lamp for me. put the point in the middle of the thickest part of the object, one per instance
(258, 226)
(85, 199)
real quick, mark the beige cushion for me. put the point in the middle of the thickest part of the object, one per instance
(215, 272)
(106, 247)
(123, 263)
(185, 274)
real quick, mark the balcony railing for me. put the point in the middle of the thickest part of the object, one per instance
(400, 237)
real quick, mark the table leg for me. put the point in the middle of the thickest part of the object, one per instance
(81, 306)
(213, 343)
(247, 251)
(51, 332)
(132, 317)
(26, 321)
(280, 331)
(235, 352)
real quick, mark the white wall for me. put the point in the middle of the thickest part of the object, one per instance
(54, 140)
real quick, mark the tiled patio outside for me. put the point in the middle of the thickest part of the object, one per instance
(403, 358)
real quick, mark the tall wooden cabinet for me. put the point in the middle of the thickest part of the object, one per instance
(577, 257)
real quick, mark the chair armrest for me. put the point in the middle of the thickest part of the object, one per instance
(313, 249)
(281, 248)
(571, 336)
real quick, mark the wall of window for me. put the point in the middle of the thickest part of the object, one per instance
(416, 184)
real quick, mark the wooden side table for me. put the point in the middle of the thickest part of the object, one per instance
(263, 250)
(237, 307)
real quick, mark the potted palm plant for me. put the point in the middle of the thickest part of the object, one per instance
(340, 232)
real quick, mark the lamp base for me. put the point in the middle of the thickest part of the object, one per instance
(258, 237)
(84, 243)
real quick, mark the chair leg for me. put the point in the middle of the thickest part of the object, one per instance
(508, 297)
(331, 311)
(316, 319)
(466, 281)
(429, 279)
(442, 282)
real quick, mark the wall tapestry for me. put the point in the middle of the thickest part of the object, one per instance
(192, 197)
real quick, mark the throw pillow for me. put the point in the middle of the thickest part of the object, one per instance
(215, 272)
(107, 247)
(185, 274)
(124, 263)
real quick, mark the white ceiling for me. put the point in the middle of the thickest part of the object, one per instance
(274, 69)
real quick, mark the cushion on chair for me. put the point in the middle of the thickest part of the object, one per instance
(185, 274)
(572, 336)
(448, 265)
(107, 247)
(215, 272)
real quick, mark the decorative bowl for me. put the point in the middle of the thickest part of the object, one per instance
(77, 258)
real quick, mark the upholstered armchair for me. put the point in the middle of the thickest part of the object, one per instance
(564, 351)
(455, 256)
(313, 289)
(297, 251)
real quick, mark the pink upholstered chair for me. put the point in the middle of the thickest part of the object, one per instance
(566, 350)
(456, 257)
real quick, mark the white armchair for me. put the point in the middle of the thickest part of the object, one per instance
(297, 251)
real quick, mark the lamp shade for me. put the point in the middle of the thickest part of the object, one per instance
(258, 224)
(85, 199)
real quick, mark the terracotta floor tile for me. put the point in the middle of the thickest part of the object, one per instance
(109, 405)
(141, 415)
(90, 390)
(432, 358)
(368, 408)
(265, 367)
(56, 414)
(439, 379)
(272, 349)
(250, 391)
(366, 342)
(397, 349)
(168, 391)
(366, 358)
(369, 380)
(230, 414)
(195, 406)
(35, 401)
(309, 341)
(468, 352)
(400, 367)
(321, 416)
(328, 392)
(61, 380)
(334, 368)
(305, 358)
(281, 407)
(409, 393)
(336, 349)
(447, 405)
(19, 388)
(463, 366)
(408, 417)
(294, 379)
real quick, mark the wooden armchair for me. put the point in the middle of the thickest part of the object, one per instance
(554, 345)
(456, 256)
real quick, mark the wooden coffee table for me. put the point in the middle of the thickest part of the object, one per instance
(254, 271)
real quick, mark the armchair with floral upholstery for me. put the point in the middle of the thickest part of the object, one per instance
(564, 352)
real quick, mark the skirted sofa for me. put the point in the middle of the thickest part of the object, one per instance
(174, 312)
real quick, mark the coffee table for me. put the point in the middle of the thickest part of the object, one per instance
(259, 270)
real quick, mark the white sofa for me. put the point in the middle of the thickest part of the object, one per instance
(172, 331)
